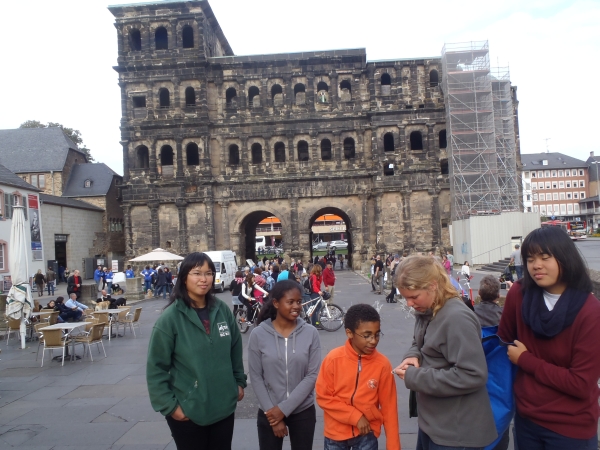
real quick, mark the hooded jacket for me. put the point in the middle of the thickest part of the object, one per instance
(350, 386)
(189, 368)
(283, 371)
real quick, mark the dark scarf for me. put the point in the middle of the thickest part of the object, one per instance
(547, 324)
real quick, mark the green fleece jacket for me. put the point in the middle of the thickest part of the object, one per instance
(189, 368)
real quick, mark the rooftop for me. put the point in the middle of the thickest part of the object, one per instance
(68, 202)
(99, 176)
(35, 149)
(535, 161)
(8, 178)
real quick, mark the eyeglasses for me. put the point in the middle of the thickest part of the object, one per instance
(204, 275)
(371, 337)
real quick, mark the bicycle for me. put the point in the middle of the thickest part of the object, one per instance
(466, 280)
(331, 316)
(241, 317)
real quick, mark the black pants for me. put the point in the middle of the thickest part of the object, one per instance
(301, 428)
(190, 436)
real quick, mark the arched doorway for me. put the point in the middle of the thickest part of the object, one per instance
(334, 226)
(259, 229)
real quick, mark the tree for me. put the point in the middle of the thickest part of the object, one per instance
(72, 134)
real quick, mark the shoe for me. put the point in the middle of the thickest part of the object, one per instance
(319, 326)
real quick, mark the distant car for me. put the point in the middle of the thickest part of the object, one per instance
(320, 246)
(335, 245)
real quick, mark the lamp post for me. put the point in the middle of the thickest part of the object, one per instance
(597, 190)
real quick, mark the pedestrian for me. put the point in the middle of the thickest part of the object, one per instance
(194, 370)
(39, 279)
(447, 266)
(466, 270)
(259, 282)
(72, 311)
(50, 281)
(235, 288)
(341, 257)
(169, 276)
(316, 260)
(161, 284)
(99, 280)
(284, 273)
(316, 279)
(249, 300)
(74, 284)
(356, 389)
(329, 280)
(108, 277)
(378, 274)
(391, 298)
(283, 375)
(275, 273)
(147, 274)
(448, 370)
(61, 274)
(450, 257)
(555, 319)
(517, 261)
(129, 273)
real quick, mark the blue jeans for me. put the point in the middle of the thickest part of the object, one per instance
(314, 319)
(366, 442)
(424, 442)
(519, 270)
(162, 289)
(147, 285)
(531, 436)
(50, 285)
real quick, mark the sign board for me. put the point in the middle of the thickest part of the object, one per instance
(100, 262)
(115, 265)
(61, 237)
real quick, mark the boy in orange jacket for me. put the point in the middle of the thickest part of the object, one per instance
(356, 388)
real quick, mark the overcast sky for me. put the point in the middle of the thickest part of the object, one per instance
(57, 56)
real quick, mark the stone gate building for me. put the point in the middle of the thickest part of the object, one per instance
(213, 143)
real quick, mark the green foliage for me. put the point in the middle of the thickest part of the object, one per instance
(71, 133)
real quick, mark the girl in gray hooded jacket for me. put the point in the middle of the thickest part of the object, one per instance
(284, 356)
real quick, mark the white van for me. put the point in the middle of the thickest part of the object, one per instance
(261, 242)
(226, 265)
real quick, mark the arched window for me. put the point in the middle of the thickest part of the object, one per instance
(277, 95)
(190, 96)
(443, 141)
(322, 92)
(434, 79)
(388, 168)
(386, 84)
(349, 150)
(164, 98)
(135, 40)
(187, 37)
(326, 150)
(161, 38)
(256, 153)
(166, 155)
(142, 157)
(230, 95)
(253, 96)
(300, 94)
(388, 142)
(234, 155)
(416, 141)
(280, 152)
(192, 154)
(302, 151)
(345, 91)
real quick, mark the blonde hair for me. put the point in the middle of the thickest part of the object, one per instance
(419, 272)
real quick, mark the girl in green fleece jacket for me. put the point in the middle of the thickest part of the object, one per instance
(195, 372)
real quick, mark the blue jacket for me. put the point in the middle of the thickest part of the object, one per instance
(98, 275)
(147, 274)
(129, 273)
(108, 276)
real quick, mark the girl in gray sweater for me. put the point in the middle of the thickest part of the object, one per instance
(284, 356)
(446, 364)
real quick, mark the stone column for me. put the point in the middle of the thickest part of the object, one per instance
(209, 206)
(379, 222)
(314, 145)
(155, 223)
(294, 223)
(125, 145)
(291, 165)
(265, 101)
(176, 105)
(128, 232)
(435, 218)
(179, 150)
(182, 214)
(402, 140)
(337, 150)
(244, 155)
(206, 168)
(334, 94)
(428, 145)
(406, 221)
(226, 236)
(364, 198)
(153, 170)
(268, 153)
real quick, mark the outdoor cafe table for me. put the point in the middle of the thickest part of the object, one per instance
(37, 314)
(69, 327)
(111, 319)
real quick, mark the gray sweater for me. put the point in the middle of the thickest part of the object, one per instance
(283, 372)
(452, 400)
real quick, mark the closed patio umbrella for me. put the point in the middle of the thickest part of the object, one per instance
(158, 254)
(19, 297)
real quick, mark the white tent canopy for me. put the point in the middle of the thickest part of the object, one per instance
(158, 254)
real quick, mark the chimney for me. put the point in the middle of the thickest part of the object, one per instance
(592, 154)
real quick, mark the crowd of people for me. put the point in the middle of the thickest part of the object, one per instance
(548, 324)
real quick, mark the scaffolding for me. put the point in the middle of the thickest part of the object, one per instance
(482, 172)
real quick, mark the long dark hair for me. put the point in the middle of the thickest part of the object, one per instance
(555, 242)
(268, 311)
(190, 262)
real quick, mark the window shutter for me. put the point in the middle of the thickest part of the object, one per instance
(8, 202)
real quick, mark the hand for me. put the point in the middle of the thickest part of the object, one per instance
(401, 369)
(179, 415)
(280, 430)
(515, 351)
(274, 415)
(240, 393)
(363, 426)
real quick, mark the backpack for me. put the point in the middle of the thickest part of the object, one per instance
(270, 283)
(306, 285)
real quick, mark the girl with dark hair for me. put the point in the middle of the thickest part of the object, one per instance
(553, 320)
(284, 353)
(235, 288)
(161, 284)
(248, 289)
(195, 372)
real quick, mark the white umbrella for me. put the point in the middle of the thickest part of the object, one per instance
(158, 254)
(19, 297)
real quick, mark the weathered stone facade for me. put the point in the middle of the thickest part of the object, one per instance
(213, 143)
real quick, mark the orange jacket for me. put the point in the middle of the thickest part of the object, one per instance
(349, 386)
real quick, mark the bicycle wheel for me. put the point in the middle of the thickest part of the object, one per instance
(240, 318)
(331, 317)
